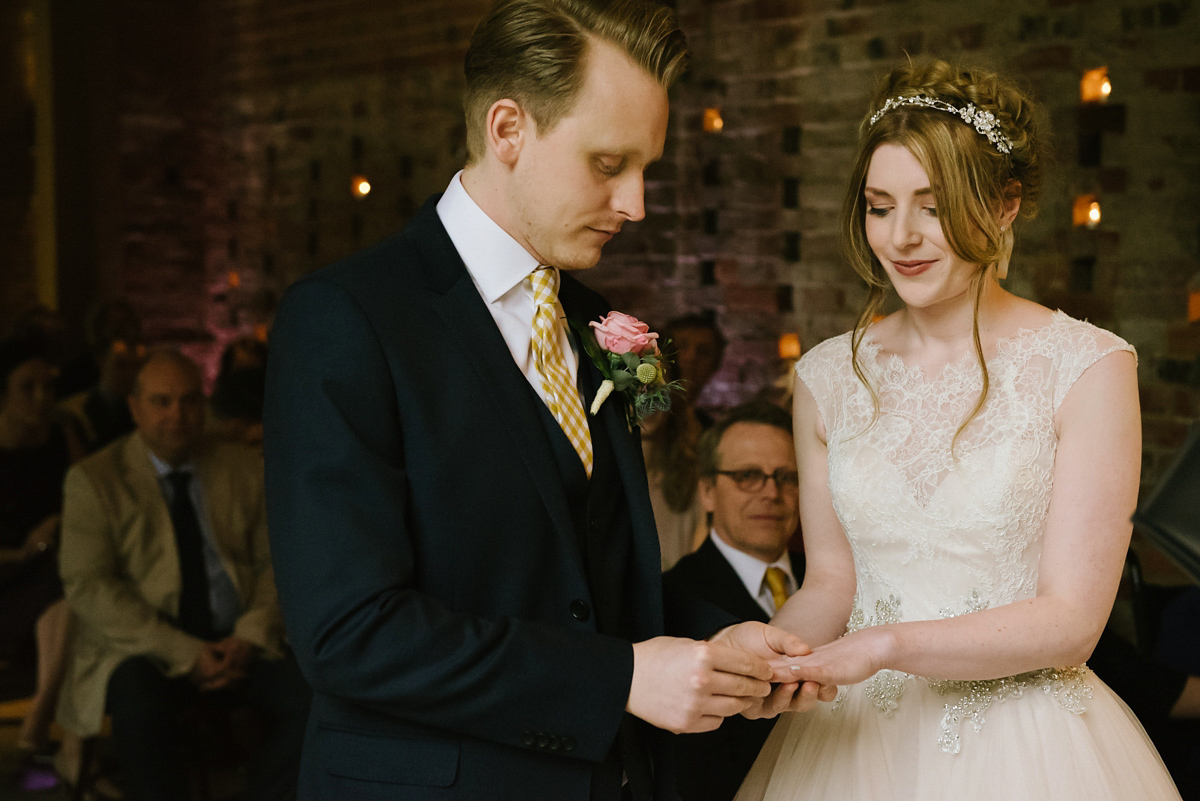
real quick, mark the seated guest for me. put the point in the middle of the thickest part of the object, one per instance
(693, 346)
(35, 451)
(116, 351)
(749, 484)
(164, 560)
(237, 398)
(1166, 700)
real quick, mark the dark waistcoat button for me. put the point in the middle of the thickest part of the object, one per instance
(580, 610)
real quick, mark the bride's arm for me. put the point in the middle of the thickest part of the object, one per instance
(818, 611)
(1087, 530)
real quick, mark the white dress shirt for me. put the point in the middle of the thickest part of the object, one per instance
(498, 266)
(753, 572)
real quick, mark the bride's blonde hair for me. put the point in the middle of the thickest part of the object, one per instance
(972, 180)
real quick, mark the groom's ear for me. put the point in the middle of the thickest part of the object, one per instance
(508, 128)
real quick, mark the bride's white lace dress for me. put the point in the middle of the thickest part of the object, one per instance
(933, 537)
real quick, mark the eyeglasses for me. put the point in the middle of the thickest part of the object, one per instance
(753, 479)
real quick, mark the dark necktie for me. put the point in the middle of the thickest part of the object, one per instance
(195, 609)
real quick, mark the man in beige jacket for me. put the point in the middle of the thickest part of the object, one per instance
(165, 563)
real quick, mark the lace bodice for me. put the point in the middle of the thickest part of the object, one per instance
(948, 533)
(935, 531)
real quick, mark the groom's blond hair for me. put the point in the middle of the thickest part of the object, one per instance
(535, 52)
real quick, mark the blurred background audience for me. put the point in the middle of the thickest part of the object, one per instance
(36, 448)
(694, 347)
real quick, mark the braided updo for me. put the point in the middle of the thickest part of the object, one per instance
(972, 180)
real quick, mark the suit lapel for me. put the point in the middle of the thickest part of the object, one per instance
(726, 585)
(147, 493)
(627, 453)
(219, 506)
(456, 300)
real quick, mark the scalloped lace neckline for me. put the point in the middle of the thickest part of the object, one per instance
(888, 362)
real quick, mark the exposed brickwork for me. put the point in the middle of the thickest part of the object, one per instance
(1127, 275)
(225, 152)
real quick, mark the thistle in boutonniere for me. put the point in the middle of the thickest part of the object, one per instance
(626, 352)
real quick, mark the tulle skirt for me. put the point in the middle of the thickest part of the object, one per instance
(1027, 748)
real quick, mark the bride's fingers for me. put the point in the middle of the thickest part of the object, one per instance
(779, 700)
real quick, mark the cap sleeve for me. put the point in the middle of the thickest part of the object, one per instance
(823, 370)
(1084, 344)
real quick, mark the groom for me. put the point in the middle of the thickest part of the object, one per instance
(470, 580)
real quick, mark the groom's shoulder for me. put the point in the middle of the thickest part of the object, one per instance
(402, 261)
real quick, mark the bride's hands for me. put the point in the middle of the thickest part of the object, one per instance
(847, 660)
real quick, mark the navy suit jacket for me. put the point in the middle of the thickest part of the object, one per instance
(431, 578)
(712, 765)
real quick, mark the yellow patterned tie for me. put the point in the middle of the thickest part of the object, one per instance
(777, 583)
(561, 394)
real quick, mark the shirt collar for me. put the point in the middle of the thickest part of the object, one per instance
(750, 569)
(163, 469)
(496, 262)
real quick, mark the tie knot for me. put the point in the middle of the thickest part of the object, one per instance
(179, 480)
(777, 582)
(544, 281)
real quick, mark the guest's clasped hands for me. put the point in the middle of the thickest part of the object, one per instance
(683, 685)
(222, 664)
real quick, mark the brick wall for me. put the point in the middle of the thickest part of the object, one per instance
(758, 202)
(228, 132)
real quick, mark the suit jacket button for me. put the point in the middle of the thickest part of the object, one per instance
(542, 739)
(568, 744)
(527, 738)
(555, 742)
(580, 610)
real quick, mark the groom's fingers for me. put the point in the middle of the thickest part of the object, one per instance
(778, 701)
(784, 643)
(806, 697)
(734, 660)
(680, 685)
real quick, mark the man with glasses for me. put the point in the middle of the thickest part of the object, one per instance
(749, 484)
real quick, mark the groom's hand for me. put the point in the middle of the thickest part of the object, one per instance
(687, 686)
(771, 643)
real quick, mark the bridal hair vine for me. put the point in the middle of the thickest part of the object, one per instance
(984, 122)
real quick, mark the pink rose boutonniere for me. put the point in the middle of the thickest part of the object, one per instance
(627, 354)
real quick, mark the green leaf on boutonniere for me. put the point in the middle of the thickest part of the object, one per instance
(631, 360)
(623, 380)
(591, 346)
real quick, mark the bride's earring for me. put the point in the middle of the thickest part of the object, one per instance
(1006, 249)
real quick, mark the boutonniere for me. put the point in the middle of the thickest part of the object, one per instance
(626, 352)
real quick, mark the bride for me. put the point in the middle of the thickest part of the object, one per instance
(968, 468)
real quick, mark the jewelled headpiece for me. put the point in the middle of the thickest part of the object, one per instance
(982, 121)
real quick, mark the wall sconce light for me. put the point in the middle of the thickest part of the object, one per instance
(235, 279)
(1086, 212)
(1095, 86)
(789, 346)
(360, 186)
(1194, 298)
(712, 120)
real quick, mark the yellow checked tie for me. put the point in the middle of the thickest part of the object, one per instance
(777, 583)
(561, 394)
